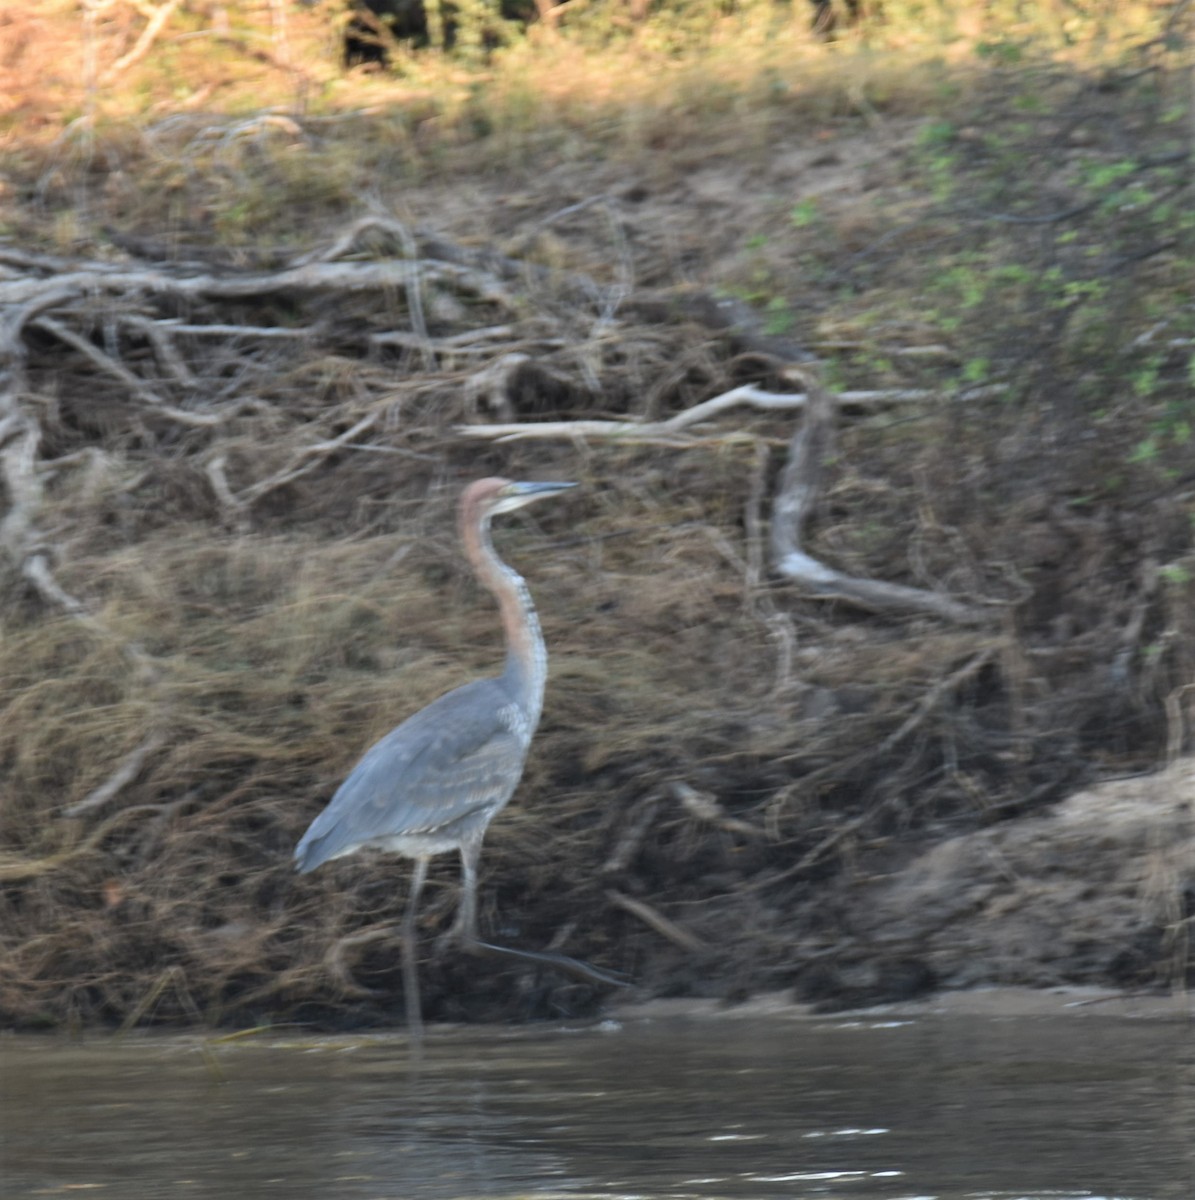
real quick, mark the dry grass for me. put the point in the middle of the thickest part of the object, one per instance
(261, 646)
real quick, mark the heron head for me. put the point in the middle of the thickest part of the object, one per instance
(504, 495)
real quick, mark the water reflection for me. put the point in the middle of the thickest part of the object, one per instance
(946, 1107)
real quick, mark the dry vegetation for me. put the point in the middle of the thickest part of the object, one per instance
(251, 355)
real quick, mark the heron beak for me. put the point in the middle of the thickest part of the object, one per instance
(533, 491)
(515, 495)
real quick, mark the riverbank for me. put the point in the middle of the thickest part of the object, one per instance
(254, 355)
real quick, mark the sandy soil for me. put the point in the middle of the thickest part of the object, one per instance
(1097, 884)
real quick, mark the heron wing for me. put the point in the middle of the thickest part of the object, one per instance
(458, 758)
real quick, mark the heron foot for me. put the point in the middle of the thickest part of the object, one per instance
(457, 938)
(561, 962)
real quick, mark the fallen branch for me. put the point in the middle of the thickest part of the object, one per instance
(656, 920)
(311, 277)
(930, 700)
(707, 808)
(120, 778)
(747, 395)
(298, 333)
(122, 374)
(305, 460)
(799, 488)
(20, 436)
(157, 22)
(634, 829)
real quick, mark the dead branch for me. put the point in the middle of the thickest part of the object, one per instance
(157, 22)
(799, 488)
(634, 829)
(708, 808)
(123, 375)
(653, 431)
(931, 698)
(656, 920)
(234, 509)
(120, 778)
(305, 460)
(164, 349)
(742, 324)
(311, 277)
(216, 329)
(349, 241)
(37, 570)
(20, 436)
(415, 294)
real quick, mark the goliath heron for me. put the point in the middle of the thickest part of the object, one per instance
(433, 784)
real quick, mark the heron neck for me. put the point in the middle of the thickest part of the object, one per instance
(526, 669)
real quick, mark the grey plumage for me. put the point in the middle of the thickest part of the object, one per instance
(453, 764)
(434, 783)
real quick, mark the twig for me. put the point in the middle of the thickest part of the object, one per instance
(1174, 721)
(121, 373)
(929, 701)
(707, 808)
(300, 333)
(546, 958)
(666, 928)
(753, 523)
(348, 240)
(121, 777)
(37, 570)
(758, 398)
(634, 829)
(157, 20)
(304, 461)
(474, 341)
(98, 358)
(164, 348)
(814, 856)
(415, 298)
(234, 509)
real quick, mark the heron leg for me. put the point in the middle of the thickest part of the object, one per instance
(410, 966)
(464, 928)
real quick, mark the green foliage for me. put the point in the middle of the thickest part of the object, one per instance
(804, 213)
(779, 317)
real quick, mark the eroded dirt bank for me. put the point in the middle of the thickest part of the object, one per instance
(230, 562)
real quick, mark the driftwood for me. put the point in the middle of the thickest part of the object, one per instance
(674, 428)
(800, 485)
(654, 919)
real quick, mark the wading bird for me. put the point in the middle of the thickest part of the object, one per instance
(435, 782)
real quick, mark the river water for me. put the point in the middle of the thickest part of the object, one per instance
(876, 1108)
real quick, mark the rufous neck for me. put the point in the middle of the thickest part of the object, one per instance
(526, 654)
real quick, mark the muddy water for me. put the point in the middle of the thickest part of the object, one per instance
(944, 1106)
